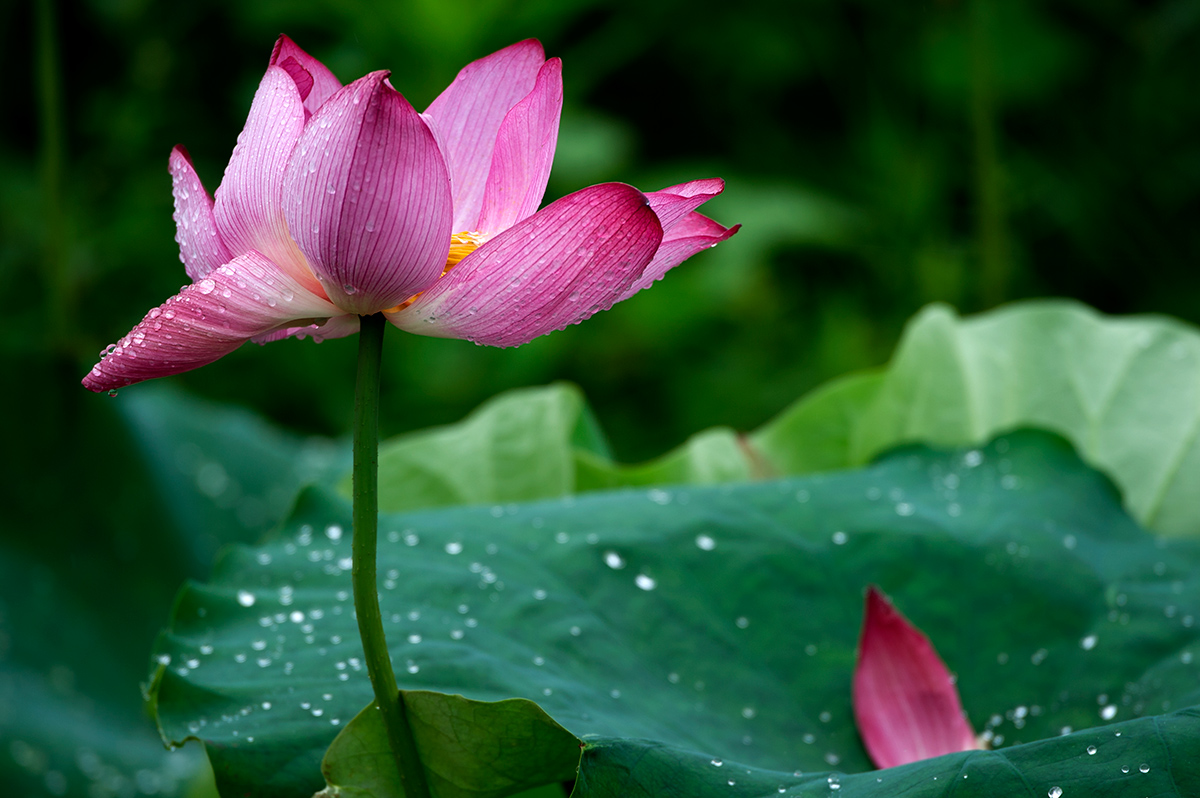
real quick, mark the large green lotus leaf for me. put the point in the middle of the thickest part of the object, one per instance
(1124, 391)
(1148, 756)
(720, 619)
(1151, 755)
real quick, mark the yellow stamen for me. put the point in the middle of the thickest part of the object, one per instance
(461, 245)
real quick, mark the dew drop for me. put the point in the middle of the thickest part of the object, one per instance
(705, 542)
(1055, 792)
(245, 598)
(614, 560)
(1144, 768)
(645, 582)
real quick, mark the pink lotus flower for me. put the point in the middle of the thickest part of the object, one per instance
(905, 702)
(343, 200)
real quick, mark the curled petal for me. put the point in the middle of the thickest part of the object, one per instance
(692, 234)
(905, 702)
(524, 152)
(336, 327)
(247, 297)
(468, 116)
(249, 206)
(571, 259)
(369, 198)
(673, 204)
(314, 82)
(200, 245)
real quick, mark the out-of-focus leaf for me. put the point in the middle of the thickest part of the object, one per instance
(1125, 391)
(720, 620)
(712, 456)
(817, 433)
(515, 447)
(70, 713)
(224, 473)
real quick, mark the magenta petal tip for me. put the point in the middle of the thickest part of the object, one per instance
(905, 702)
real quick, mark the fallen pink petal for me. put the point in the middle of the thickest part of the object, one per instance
(905, 702)
(344, 201)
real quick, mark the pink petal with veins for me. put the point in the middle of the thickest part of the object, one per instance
(200, 245)
(313, 80)
(468, 116)
(688, 236)
(905, 702)
(569, 260)
(369, 198)
(249, 206)
(247, 297)
(524, 153)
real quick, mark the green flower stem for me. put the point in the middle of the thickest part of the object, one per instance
(366, 591)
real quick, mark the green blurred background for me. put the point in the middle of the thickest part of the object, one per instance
(879, 155)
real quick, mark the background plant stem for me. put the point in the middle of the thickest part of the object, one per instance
(989, 190)
(366, 594)
(54, 251)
